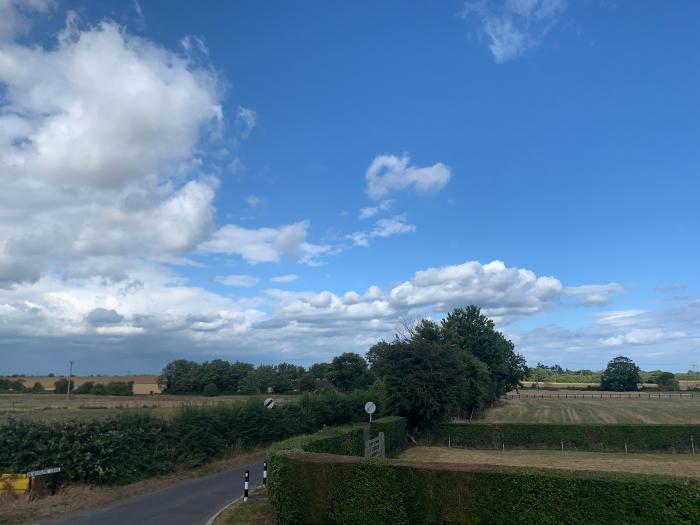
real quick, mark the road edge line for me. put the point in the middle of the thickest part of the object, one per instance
(211, 520)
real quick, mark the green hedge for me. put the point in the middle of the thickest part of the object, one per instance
(345, 441)
(639, 438)
(394, 428)
(136, 445)
(313, 489)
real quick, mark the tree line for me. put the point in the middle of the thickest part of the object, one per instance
(428, 372)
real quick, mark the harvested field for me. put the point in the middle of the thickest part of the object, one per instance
(585, 408)
(684, 465)
(52, 407)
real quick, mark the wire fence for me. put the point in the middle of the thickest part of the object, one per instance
(604, 395)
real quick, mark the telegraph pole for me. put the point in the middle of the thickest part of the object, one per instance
(70, 377)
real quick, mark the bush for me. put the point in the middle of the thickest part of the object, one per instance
(310, 489)
(639, 438)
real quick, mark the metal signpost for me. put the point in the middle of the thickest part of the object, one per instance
(370, 408)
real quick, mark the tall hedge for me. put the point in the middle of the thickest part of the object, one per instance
(394, 428)
(137, 445)
(345, 441)
(639, 438)
(312, 489)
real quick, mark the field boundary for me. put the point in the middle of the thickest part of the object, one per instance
(603, 395)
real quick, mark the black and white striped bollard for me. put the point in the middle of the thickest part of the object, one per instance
(245, 486)
(264, 473)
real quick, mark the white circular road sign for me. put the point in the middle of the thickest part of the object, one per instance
(370, 407)
(269, 403)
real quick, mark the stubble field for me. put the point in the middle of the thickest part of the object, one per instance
(596, 408)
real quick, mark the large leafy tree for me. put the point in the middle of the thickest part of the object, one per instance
(434, 370)
(621, 374)
(181, 377)
(349, 371)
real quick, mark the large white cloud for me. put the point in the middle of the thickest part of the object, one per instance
(98, 136)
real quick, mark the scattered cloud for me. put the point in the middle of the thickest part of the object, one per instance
(672, 287)
(264, 245)
(383, 228)
(245, 281)
(287, 278)
(594, 294)
(389, 173)
(512, 27)
(254, 201)
(371, 211)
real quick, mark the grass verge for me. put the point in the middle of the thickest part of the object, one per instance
(256, 511)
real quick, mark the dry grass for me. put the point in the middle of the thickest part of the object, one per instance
(256, 511)
(683, 465)
(677, 410)
(18, 510)
(52, 407)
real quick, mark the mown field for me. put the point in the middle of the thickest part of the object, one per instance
(52, 407)
(594, 409)
(685, 465)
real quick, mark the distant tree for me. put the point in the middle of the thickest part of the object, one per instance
(307, 383)
(667, 382)
(38, 388)
(287, 375)
(320, 370)
(349, 371)
(210, 390)
(119, 388)
(375, 357)
(99, 389)
(61, 386)
(181, 377)
(239, 371)
(85, 388)
(621, 375)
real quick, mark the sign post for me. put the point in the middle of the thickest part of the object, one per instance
(370, 408)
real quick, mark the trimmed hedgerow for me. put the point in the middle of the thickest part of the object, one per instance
(394, 428)
(135, 446)
(313, 489)
(346, 441)
(639, 438)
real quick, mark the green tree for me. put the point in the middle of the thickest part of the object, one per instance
(621, 375)
(61, 386)
(181, 377)
(349, 371)
(85, 388)
(320, 370)
(467, 329)
(667, 382)
(307, 383)
(210, 390)
(38, 388)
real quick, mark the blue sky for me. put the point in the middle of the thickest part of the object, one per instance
(188, 179)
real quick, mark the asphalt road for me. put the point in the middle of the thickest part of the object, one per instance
(191, 502)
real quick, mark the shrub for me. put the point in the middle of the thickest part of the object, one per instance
(345, 441)
(311, 489)
(593, 437)
(210, 390)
